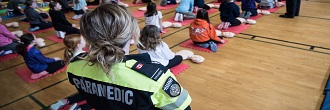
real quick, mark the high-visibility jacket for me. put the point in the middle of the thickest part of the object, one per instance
(133, 85)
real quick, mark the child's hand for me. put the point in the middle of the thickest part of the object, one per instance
(74, 25)
(56, 58)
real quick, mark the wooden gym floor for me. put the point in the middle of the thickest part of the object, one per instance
(277, 64)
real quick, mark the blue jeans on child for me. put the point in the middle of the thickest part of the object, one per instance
(211, 44)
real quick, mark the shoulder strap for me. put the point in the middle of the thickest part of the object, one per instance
(153, 71)
(80, 56)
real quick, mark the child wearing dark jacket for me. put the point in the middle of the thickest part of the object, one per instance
(229, 11)
(249, 8)
(13, 9)
(35, 19)
(59, 21)
(35, 60)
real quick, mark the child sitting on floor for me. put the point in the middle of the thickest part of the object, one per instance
(8, 40)
(35, 60)
(229, 11)
(74, 47)
(153, 17)
(35, 19)
(202, 32)
(158, 50)
(79, 8)
(74, 50)
(59, 21)
(13, 8)
(184, 9)
(249, 8)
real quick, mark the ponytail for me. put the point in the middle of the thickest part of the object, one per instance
(21, 49)
(68, 53)
(26, 40)
(71, 43)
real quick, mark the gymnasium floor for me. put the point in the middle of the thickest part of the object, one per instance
(277, 64)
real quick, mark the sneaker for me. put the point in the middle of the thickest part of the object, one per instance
(213, 47)
(220, 26)
(176, 17)
(2, 53)
(34, 29)
(59, 104)
(38, 75)
(181, 17)
(226, 25)
(248, 14)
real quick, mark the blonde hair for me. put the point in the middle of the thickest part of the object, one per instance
(71, 42)
(107, 29)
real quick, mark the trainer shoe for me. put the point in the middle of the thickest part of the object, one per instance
(176, 17)
(34, 29)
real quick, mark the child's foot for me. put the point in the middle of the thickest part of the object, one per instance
(38, 75)
(59, 104)
(226, 25)
(213, 47)
(34, 29)
(2, 53)
(176, 17)
(77, 17)
(221, 25)
(248, 14)
(181, 17)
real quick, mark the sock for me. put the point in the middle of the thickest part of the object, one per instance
(248, 14)
(8, 52)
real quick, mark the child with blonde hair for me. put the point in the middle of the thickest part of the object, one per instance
(74, 48)
(35, 60)
(153, 17)
(158, 50)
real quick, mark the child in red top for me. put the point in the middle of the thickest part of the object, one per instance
(202, 33)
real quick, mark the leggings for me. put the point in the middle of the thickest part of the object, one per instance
(42, 25)
(11, 46)
(175, 61)
(54, 66)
